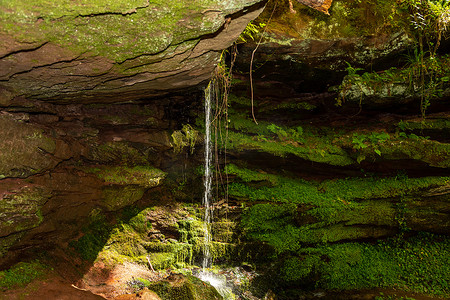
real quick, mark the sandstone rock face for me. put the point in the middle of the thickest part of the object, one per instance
(59, 164)
(92, 52)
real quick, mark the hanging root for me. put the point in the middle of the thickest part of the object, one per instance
(251, 63)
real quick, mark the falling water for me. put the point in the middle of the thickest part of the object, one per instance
(209, 94)
(216, 281)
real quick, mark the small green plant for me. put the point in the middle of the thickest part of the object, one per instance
(250, 31)
(280, 132)
(358, 141)
(362, 141)
(294, 135)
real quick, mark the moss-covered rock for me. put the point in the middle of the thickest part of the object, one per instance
(143, 176)
(137, 48)
(21, 210)
(182, 287)
(125, 185)
(300, 212)
(8, 241)
(383, 264)
(397, 86)
(117, 153)
(327, 145)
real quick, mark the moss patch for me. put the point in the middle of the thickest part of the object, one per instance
(126, 185)
(134, 239)
(21, 210)
(186, 137)
(116, 197)
(21, 274)
(334, 147)
(8, 241)
(96, 233)
(391, 263)
(181, 287)
(299, 212)
(118, 153)
(98, 27)
(143, 176)
(341, 192)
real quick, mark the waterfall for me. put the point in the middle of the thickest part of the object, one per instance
(207, 180)
(218, 282)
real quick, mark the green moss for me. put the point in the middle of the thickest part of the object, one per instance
(272, 224)
(317, 145)
(388, 264)
(129, 241)
(330, 146)
(126, 185)
(114, 244)
(396, 85)
(116, 197)
(123, 244)
(95, 235)
(434, 124)
(7, 242)
(97, 27)
(186, 137)
(223, 230)
(296, 106)
(118, 153)
(433, 153)
(21, 274)
(192, 231)
(347, 19)
(185, 288)
(338, 193)
(322, 152)
(391, 263)
(189, 229)
(144, 176)
(140, 223)
(217, 250)
(302, 212)
(294, 269)
(169, 254)
(21, 210)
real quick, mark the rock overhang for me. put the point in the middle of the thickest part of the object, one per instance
(99, 52)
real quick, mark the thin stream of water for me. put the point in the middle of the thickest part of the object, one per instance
(216, 281)
(207, 181)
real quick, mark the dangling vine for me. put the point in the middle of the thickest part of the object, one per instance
(222, 82)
